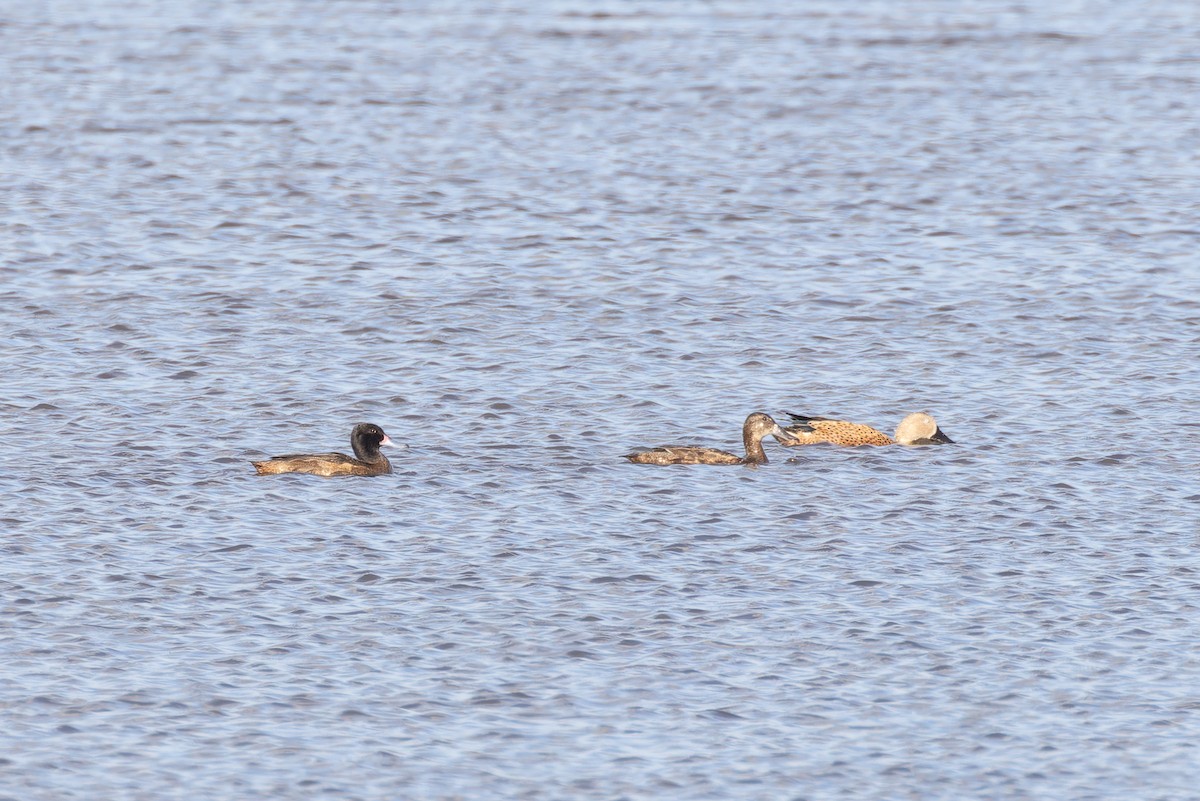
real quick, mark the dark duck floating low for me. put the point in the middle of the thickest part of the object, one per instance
(365, 439)
(757, 426)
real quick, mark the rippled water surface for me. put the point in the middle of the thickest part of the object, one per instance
(525, 238)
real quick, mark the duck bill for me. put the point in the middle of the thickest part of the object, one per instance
(941, 438)
(392, 443)
(784, 438)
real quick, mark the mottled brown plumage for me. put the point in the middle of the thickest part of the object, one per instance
(365, 439)
(916, 429)
(757, 426)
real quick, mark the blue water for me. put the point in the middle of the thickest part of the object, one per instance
(525, 240)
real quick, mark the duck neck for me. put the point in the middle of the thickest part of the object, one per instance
(754, 449)
(364, 452)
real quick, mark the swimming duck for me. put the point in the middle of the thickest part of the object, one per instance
(365, 439)
(916, 429)
(757, 426)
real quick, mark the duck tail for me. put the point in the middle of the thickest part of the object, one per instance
(803, 419)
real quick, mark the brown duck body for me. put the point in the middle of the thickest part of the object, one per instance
(757, 426)
(685, 454)
(323, 464)
(365, 439)
(811, 430)
(916, 429)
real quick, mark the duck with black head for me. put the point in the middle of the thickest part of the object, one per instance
(365, 440)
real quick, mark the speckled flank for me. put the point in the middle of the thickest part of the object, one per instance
(915, 429)
(683, 454)
(838, 432)
(326, 464)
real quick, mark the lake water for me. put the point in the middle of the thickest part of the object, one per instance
(525, 238)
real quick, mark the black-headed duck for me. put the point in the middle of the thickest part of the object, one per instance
(365, 439)
(757, 426)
